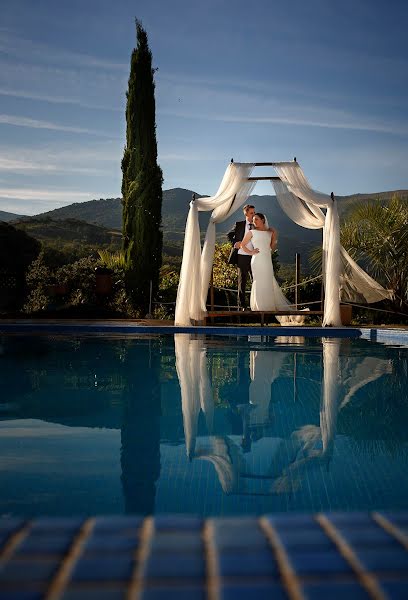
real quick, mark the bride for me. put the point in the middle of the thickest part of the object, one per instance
(266, 294)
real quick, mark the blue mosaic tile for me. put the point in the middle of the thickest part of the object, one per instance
(368, 537)
(177, 522)
(254, 591)
(21, 595)
(175, 565)
(305, 539)
(96, 593)
(236, 539)
(396, 590)
(10, 525)
(318, 563)
(247, 564)
(53, 524)
(174, 593)
(103, 569)
(98, 544)
(117, 524)
(334, 591)
(295, 521)
(351, 519)
(380, 560)
(177, 542)
(45, 544)
(23, 570)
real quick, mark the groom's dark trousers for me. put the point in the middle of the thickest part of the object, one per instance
(237, 234)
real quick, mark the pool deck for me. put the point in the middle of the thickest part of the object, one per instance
(311, 557)
(384, 334)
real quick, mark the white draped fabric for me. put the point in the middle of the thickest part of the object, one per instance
(304, 206)
(196, 267)
(340, 273)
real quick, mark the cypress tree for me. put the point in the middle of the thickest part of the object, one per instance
(142, 180)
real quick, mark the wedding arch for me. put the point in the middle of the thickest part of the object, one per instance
(342, 277)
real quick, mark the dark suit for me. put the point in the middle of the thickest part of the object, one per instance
(237, 234)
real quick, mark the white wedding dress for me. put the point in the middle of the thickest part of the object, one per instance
(265, 292)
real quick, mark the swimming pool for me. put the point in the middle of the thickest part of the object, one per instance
(210, 425)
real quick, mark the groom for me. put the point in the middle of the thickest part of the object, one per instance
(239, 257)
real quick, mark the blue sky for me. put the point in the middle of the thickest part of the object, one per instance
(320, 80)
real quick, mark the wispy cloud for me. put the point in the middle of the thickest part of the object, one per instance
(39, 124)
(25, 166)
(45, 195)
(23, 49)
(31, 95)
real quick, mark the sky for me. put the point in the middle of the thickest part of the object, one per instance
(323, 80)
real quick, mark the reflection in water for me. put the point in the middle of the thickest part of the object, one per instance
(309, 446)
(140, 433)
(286, 419)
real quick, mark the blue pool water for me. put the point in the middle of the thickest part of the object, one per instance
(204, 425)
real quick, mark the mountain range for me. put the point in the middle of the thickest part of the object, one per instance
(107, 213)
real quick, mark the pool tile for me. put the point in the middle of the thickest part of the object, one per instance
(305, 539)
(384, 560)
(252, 591)
(117, 524)
(99, 544)
(25, 570)
(354, 519)
(396, 590)
(247, 564)
(52, 524)
(177, 542)
(295, 521)
(94, 593)
(21, 595)
(369, 537)
(178, 523)
(318, 563)
(8, 526)
(334, 591)
(103, 569)
(174, 566)
(174, 593)
(45, 544)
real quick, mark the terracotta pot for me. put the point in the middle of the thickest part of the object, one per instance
(345, 313)
(103, 282)
(57, 289)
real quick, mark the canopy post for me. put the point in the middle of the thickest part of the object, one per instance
(297, 278)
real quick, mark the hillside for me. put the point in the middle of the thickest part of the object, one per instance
(69, 230)
(105, 215)
(7, 216)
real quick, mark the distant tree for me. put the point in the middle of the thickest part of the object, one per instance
(377, 233)
(142, 180)
(17, 251)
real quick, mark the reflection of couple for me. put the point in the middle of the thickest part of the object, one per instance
(252, 242)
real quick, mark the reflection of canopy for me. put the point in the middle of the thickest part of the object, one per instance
(264, 368)
(196, 393)
(307, 447)
(303, 205)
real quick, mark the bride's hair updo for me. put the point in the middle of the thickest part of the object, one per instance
(261, 216)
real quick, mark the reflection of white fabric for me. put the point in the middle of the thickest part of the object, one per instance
(195, 386)
(265, 366)
(329, 405)
(357, 373)
(227, 460)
